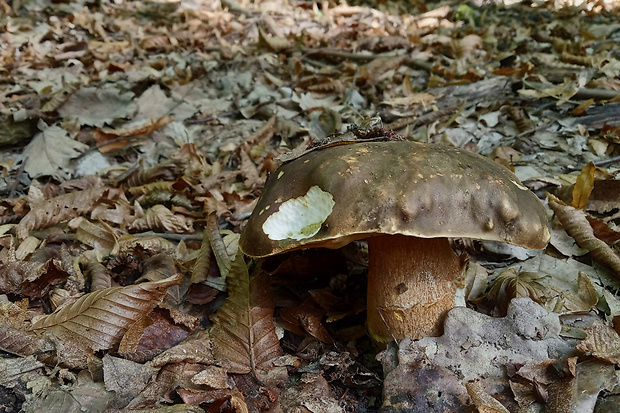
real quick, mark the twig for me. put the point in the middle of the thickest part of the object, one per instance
(607, 161)
(173, 237)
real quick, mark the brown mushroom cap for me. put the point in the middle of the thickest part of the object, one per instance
(332, 196)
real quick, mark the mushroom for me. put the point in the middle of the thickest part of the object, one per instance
(407, 199)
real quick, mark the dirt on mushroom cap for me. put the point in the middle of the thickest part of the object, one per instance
(407, 188)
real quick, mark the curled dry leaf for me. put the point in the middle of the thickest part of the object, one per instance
(217, 245)
(152, 245)
(97, 321)
(602, 342)
(275, 44)
(62, 208)
(575, 222)
(99, 277)
(243, 331)
(160, 217)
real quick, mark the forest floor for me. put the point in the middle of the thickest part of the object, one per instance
(137, 137)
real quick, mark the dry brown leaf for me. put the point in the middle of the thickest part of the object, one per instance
(213, 376)
(22, 343)
(109, 140)
(482, 400)
(63, 208)
(153, 245)
(243, 331)
(583, 186)
(217, 245)
(131, 339)
(96, 236)
(98, 321)
(204, 267)
(577, 226)
(194, 349)
(602, 342)
(603, 231)
(99, 277)
(580, 110)
(306, 317)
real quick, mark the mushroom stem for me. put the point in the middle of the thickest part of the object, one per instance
(412, 284)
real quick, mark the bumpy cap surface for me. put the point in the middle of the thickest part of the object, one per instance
(332, 196)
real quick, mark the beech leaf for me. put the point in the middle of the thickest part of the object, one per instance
(602, 342)
(61, 208)
(50, 153)
(243, 330)
(98, 321)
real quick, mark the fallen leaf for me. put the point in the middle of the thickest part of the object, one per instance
(576, 224)
(243, 332)
(583, 187)
(50, 153)
(98, 321)
(602, 342)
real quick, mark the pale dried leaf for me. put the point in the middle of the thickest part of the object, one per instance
(586, 291)
(95, 107)
(26, 247)
(275, 44)
(243, 331)
(126, 378)
(12, 370)
(98, 320)
(576, 224)
(50, 153)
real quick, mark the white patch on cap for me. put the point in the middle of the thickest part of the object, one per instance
(300, 218)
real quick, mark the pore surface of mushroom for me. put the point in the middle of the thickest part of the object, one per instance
(407, 198)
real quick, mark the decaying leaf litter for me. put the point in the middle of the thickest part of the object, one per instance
(138, 136)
